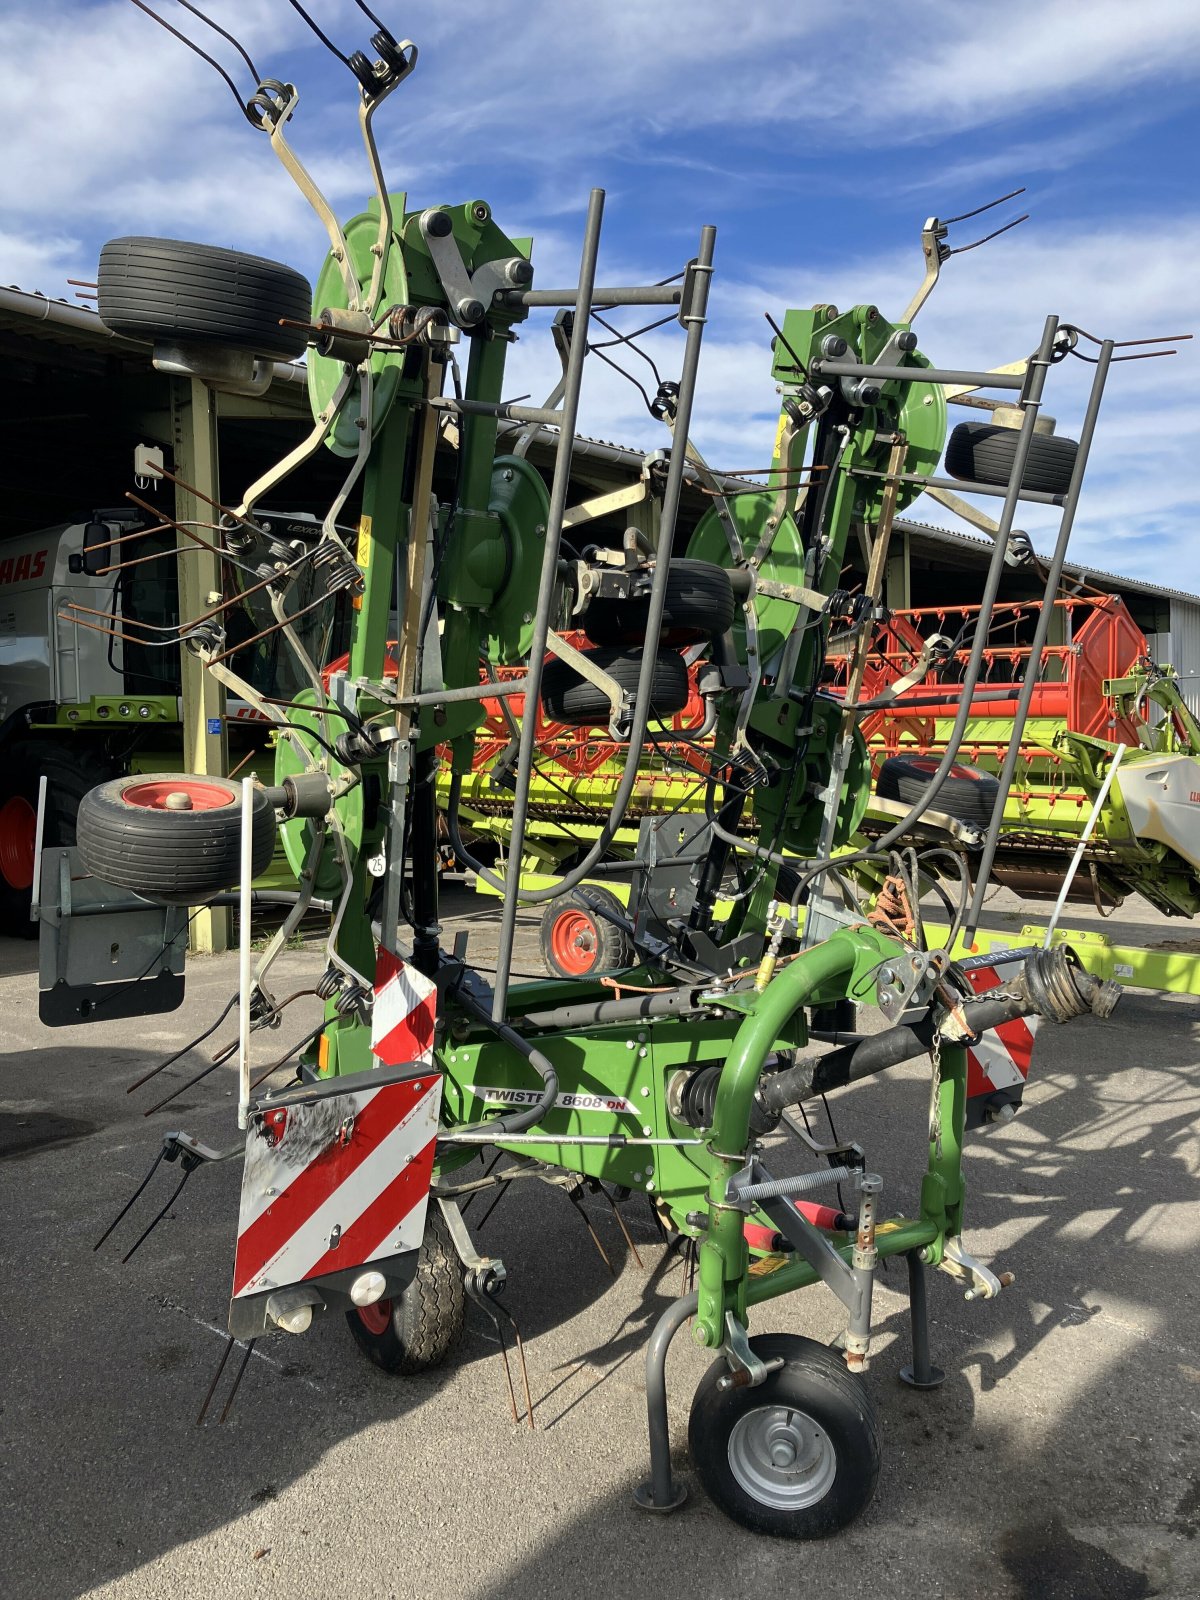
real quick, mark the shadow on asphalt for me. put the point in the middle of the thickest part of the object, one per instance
(1092, 1171)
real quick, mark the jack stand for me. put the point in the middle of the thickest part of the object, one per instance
(662, 1492)
(921, 1374)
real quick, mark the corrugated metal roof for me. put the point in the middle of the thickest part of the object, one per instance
(1117, 579)
(63, 323)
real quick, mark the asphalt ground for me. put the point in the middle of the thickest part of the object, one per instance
(1059, 1460)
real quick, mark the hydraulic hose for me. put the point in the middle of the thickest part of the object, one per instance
(528, 1116)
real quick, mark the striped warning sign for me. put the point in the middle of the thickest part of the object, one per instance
(335, 1182)
(404, 1013)
(1002, 1056)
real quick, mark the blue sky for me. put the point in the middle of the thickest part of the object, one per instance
(817, 137)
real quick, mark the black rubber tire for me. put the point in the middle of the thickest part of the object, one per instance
(180, 858)
(70, 770)
(814, 1381)
(981, 452)
(574, 921)
(699, 605)
(566, 697)
(429, 1318)
(169, 291)
(967, 793)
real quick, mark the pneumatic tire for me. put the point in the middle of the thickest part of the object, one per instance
(418, 1329)
(129, 836)
(578, 941)
(169, 291)
(699, 605)
(70, 771)
(567, 697)
(967, 793)
(982, 452)
(798, 1455)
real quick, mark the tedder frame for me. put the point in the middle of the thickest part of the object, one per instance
(664, 1080)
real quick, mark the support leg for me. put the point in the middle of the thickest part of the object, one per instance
(662, 1492)
(922, 1374)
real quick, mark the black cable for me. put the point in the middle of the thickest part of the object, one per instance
(367, 12)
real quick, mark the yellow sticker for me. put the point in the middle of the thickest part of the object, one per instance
(766, 1265)
(779, 432)
(363, 555)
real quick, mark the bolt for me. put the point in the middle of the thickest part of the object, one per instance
(437, 224)
(469, 309)
(649, 1132)
(645, 1092)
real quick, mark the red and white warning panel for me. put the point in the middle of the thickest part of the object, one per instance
(998, 1065)
(404, 1013)
(335, 1181)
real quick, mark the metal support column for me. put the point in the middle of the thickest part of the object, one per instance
(205, 747)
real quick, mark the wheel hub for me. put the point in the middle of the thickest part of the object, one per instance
(782, 1457)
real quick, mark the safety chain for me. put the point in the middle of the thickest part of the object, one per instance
(935, 1094)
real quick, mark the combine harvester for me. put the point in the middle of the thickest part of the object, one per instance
(356, 1170)
(1129, 829)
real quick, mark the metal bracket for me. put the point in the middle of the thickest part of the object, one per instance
(469, 296)
(746, 1370)
(982, 1283)
(909, 979)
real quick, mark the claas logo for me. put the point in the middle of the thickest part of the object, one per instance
(20, 569)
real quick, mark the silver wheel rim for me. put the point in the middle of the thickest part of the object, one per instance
(782, 1457)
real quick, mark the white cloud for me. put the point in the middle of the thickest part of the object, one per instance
(110, 126)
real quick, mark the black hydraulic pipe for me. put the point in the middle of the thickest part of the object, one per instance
(715, 862)
(529, 1116)
(507, 411)
(595, 1013)
(877, 1053)
(424, 853)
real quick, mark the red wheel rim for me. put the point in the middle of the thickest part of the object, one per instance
(573, 943)
(18, 834)
(376, 1319)
(152, 795)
